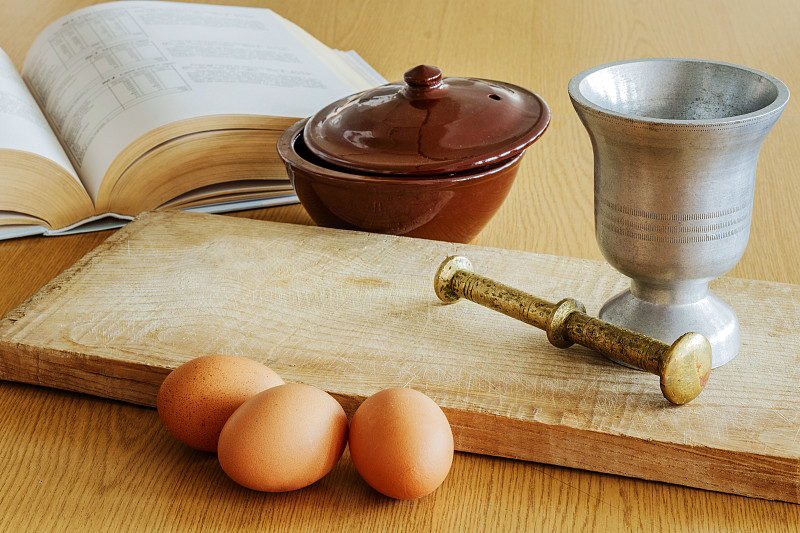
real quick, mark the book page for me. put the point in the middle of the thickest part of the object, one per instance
(22, 125)
(109, 73)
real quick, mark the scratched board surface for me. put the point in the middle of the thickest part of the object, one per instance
(353, 313)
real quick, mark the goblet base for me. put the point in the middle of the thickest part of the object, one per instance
(709, 316)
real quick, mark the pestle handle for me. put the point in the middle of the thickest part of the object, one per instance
(684, 367)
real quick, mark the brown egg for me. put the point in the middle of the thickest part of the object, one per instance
(196, 399)
(401, 443)
(284, 438)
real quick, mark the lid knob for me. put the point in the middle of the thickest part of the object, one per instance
(422, 78)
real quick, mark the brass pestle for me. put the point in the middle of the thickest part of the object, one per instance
(684, 366)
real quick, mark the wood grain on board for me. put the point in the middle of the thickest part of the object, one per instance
(353, 313)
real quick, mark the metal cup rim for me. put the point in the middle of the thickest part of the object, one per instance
(774, 108)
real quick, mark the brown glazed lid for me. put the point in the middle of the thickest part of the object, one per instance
(427, 125)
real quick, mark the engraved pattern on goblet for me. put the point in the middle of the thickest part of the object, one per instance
(682, 228)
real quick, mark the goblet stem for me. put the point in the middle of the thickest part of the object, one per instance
(672, 293)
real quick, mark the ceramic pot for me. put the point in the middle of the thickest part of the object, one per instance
(428, 157)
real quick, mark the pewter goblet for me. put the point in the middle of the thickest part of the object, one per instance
(675, 148)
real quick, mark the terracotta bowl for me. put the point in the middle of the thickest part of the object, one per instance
(453, 208)
(427, 156)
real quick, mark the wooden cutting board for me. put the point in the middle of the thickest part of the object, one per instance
(353, 313)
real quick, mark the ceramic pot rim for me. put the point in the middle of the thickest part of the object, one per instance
(290, 156)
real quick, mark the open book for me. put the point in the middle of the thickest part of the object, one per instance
(138, 105)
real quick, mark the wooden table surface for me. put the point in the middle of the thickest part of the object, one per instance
(70, 462)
